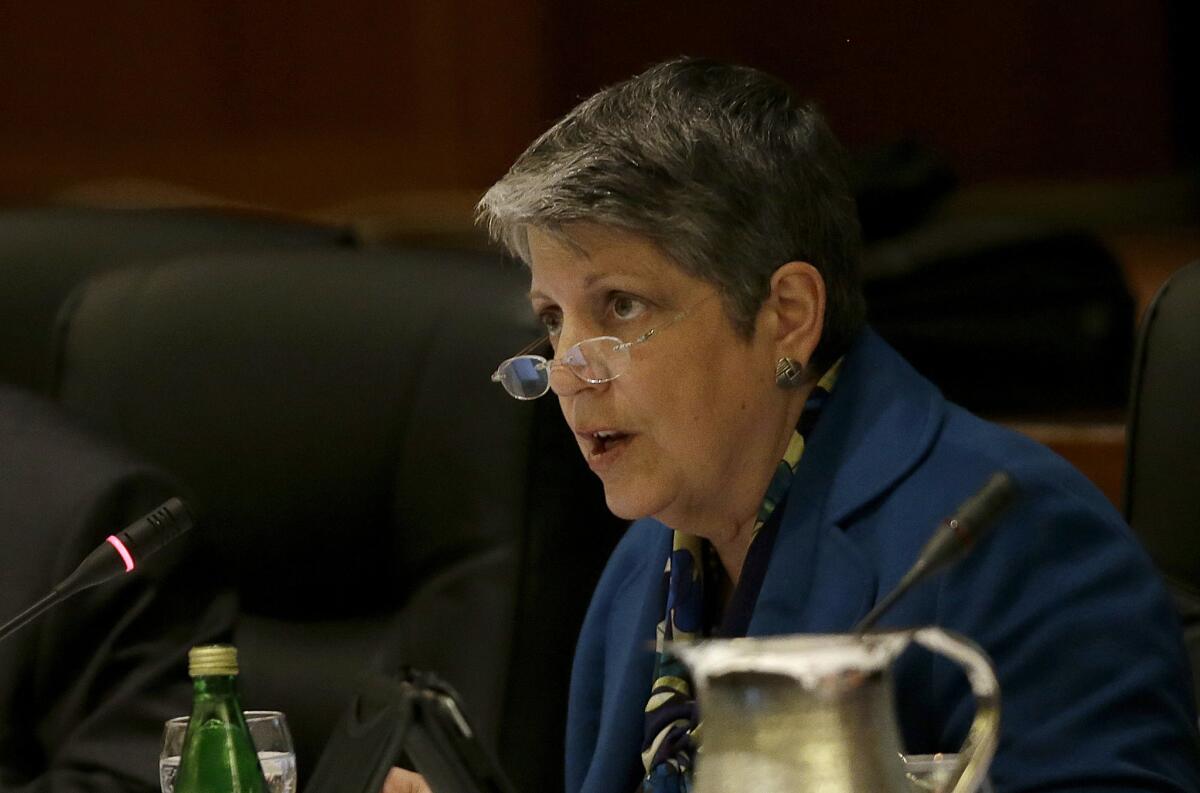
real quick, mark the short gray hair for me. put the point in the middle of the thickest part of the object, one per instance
(720, 166)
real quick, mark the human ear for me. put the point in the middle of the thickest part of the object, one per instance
(797, 302)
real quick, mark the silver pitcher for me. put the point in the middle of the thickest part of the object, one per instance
(815, 713)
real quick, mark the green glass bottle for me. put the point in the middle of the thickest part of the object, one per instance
(218, 755)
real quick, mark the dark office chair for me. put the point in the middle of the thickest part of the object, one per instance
(957, 297)
(362, 484)
(1162, 492)
(46, 252)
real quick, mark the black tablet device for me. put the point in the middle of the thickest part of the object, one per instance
(411, 719)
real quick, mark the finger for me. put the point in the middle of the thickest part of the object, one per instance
(399, 780)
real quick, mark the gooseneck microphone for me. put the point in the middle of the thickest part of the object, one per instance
(951, 540)
(119, 554)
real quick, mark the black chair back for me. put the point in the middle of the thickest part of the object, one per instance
(46, 252)
(364, 486)
(1162, 488)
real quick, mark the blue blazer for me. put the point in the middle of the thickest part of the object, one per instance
(1096, 693)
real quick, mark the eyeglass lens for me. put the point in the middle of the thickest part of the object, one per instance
(595, 360)
(525, 377)
(598, 360)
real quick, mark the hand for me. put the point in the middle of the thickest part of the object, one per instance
(400, 781)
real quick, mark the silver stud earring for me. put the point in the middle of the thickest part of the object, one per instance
(788, 373)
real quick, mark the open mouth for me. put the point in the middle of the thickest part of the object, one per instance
(606, 441)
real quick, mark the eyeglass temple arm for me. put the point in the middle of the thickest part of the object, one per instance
(648, 335)
(533, 345)
(526, 350)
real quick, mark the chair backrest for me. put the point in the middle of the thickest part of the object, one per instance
(1162, 486)
(46, 252)
(958, 296)
(364, 486)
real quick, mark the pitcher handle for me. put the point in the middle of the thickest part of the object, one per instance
(980, 745)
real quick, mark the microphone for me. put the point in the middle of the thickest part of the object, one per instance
(951, 540)
(119, 554)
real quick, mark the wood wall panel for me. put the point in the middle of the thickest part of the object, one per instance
(308, 105)
(110, 70)
(1009, 89)
(296, 105)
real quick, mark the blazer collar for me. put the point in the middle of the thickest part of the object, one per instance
(879, 422)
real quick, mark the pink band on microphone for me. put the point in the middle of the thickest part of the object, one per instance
(121, 549)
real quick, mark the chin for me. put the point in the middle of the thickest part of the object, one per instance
(629, 505)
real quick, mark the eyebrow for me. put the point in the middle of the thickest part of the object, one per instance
(591, 278)
(589, 281)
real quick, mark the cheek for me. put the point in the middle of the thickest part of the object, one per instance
(700, 398)
(728, 410)
(701, 412)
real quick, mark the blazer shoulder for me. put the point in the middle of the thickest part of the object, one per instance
(1042, 474)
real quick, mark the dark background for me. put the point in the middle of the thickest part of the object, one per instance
(394, 116)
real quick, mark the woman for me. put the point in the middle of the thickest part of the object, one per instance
(693, 249)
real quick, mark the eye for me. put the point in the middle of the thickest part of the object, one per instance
(552, 322)
(626, 307)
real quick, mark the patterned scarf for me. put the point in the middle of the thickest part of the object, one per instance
(692, 582)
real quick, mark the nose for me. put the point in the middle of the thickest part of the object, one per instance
(563, 381)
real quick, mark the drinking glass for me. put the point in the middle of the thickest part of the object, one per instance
(268, 730)
(930, 772)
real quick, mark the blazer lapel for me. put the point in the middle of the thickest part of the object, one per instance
(636, 610)
(880, 420)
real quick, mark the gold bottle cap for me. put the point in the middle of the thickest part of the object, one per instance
(212, 659)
